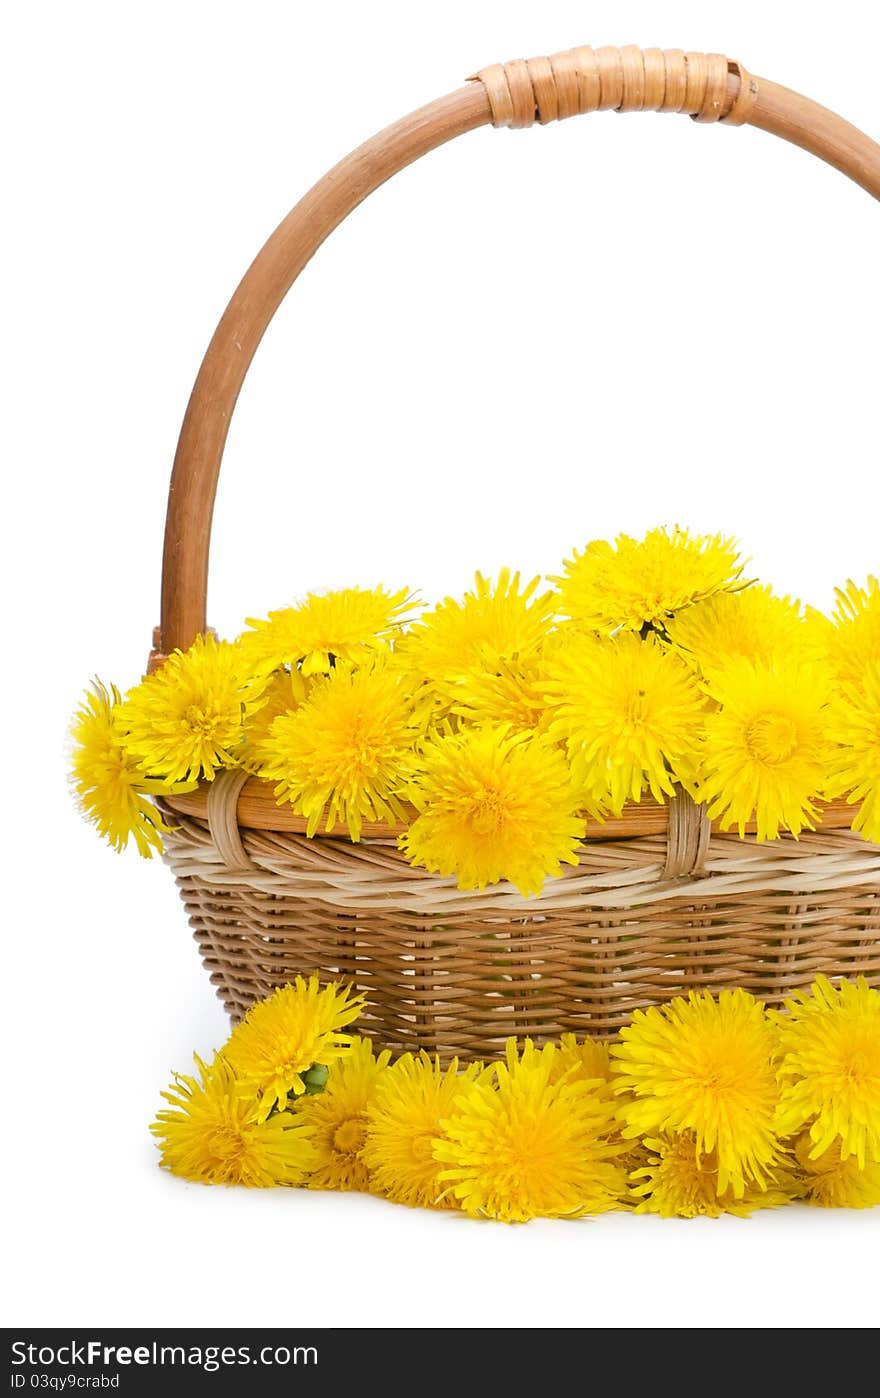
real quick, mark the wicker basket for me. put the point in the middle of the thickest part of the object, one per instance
(660, 902)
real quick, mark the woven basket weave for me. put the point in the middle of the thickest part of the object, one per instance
(660, 902)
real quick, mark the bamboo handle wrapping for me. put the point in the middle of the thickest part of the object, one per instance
(707, 87)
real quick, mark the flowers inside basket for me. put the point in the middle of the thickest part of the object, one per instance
(484, 733)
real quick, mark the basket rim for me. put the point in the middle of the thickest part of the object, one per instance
(257, 809)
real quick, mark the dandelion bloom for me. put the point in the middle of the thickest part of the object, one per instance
(350, 624)
(186, 719)
(285, 691)
(493, 805)
(346, 750)
(679, 1181)
(636, 583)
(337, 1118)
(766, 752)
(280, 1038)
(528, 1146)
(854, 729)
(829, 1068)
(752, 623)
(629, 712)
(214, 1134)
(853, 640)
(581, 1059)
(497, 622)
(404, 1119)
(832, 1181)
(703, 1066)
(110, 790)
(509, 694)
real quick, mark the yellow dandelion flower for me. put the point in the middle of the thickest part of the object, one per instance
(403, 1122)
(854, 725)
(511, 694)
(679, 1181)
(589, 1060)
(704, 1066)
(350, 624)
(853, 641)
(766, 753)
(346, 750)
(110, 790)
(186, 720)
(753, 624)
(214, 1134)
(281, 1037)
(493, 805)
(581, 1060)
(494, 623)
(638, 583)
(831, 1181)
(285, 691)
(337, 1118)
(529, 1144)
(630, 713)
(829, 1068)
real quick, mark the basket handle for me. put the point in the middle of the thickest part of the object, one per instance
(707, 87)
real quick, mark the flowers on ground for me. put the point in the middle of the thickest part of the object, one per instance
(530, 1144)
(581, 1059)
(212, 1134)
(681, 1181)
(338, 1121)
(832, 1181)
(704, 1106)
(829, 1068)
(405, 1118)
(703, 1066)
(279, 1039)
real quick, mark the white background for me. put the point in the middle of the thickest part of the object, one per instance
(528, 340)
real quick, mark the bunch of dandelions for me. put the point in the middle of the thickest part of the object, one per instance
(737, 1108)
(704, 1106)
(236, 1123)
(486, 731)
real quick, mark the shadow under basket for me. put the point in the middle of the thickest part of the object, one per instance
(639, 920)
(659, 903)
